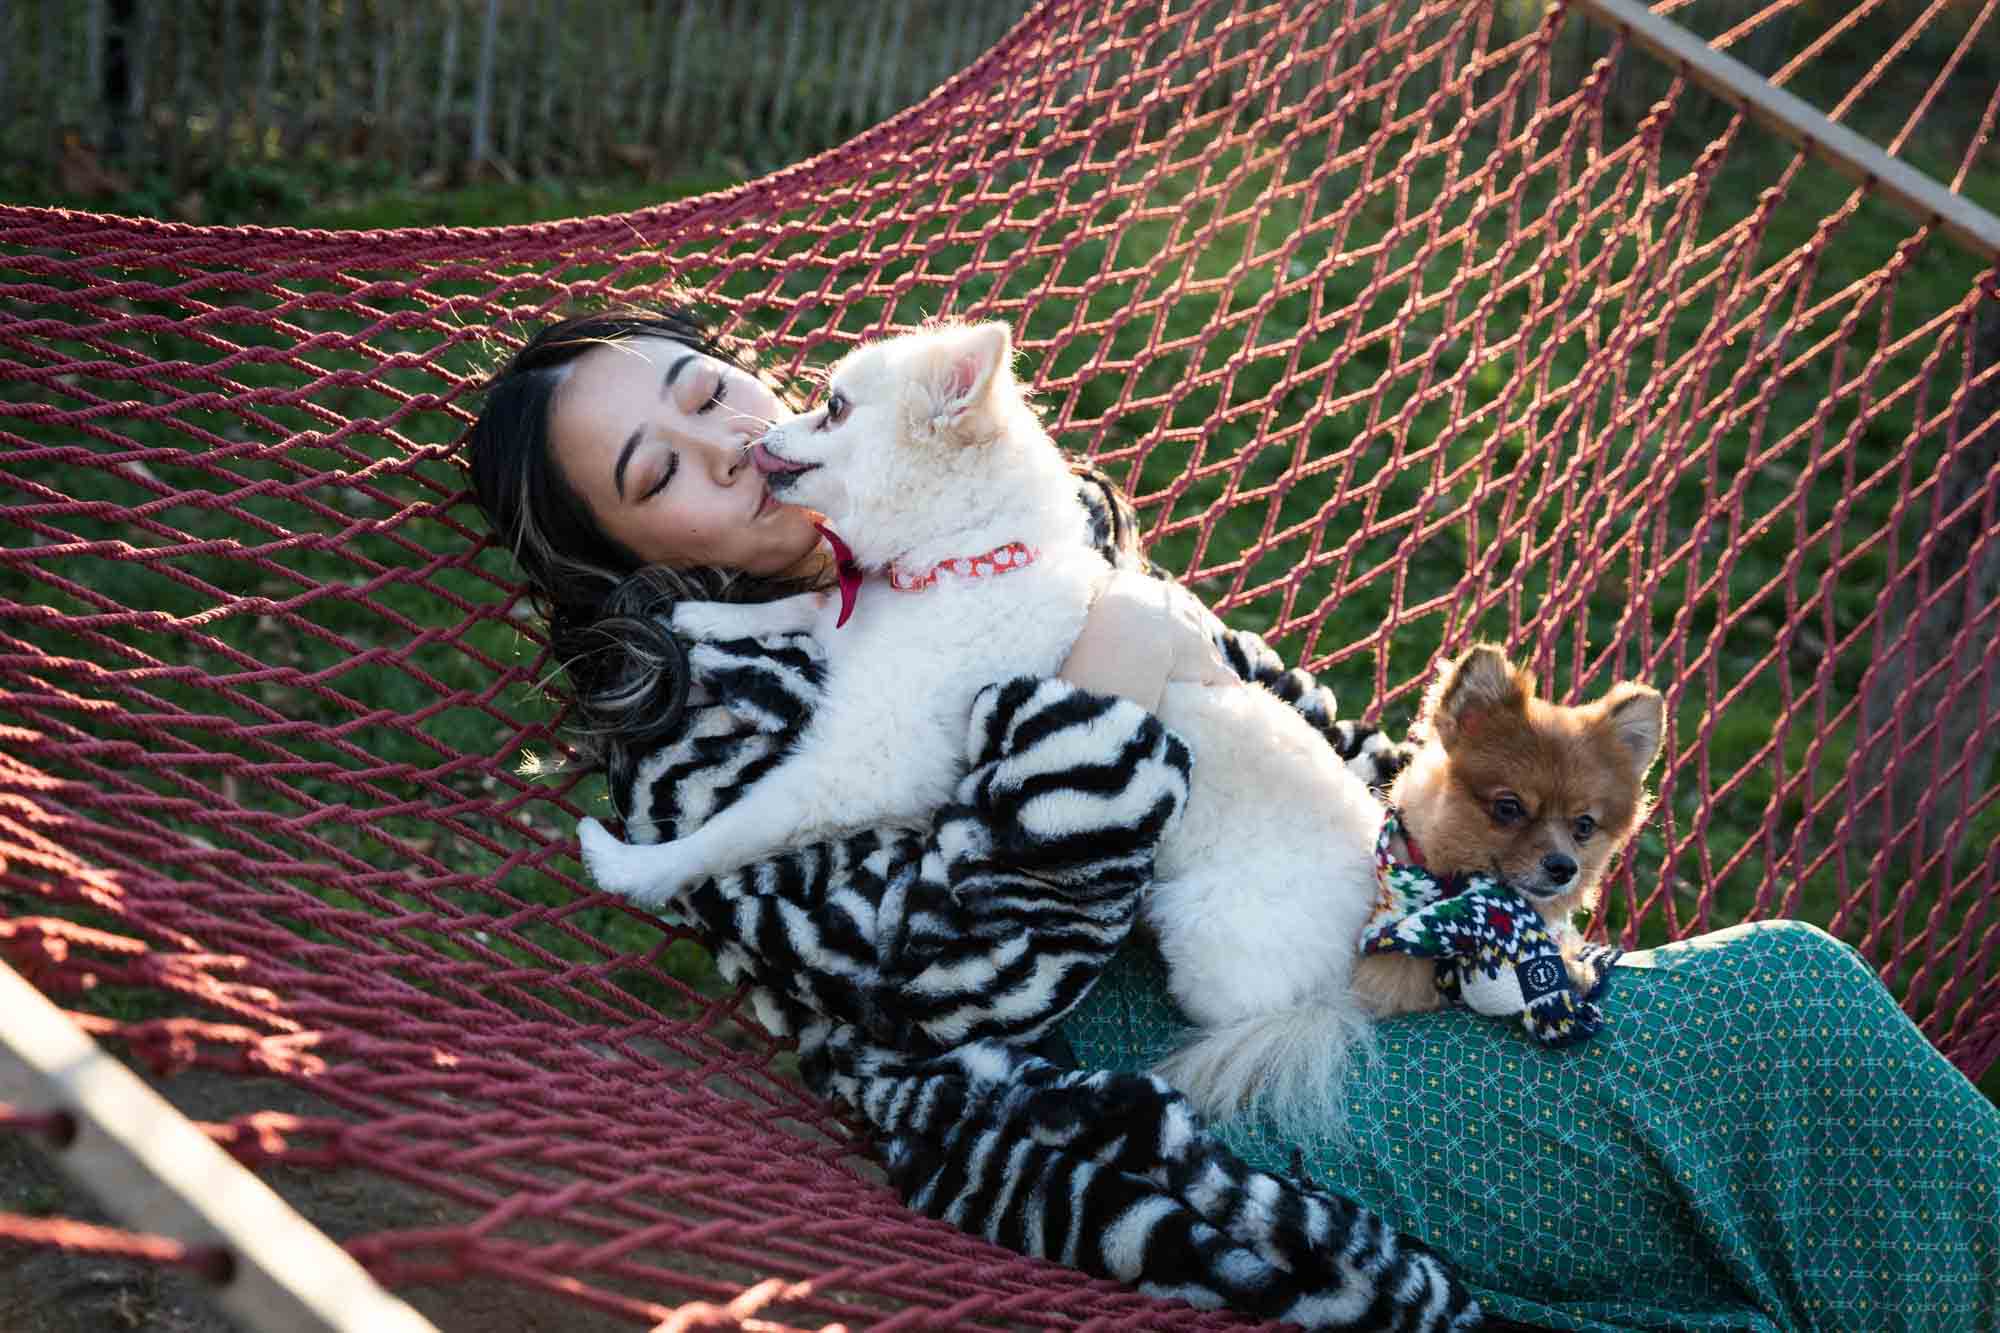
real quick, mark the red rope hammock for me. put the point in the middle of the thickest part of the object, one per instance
(1399, 339)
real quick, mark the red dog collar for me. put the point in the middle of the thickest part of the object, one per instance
(845, 570)
(999, 560)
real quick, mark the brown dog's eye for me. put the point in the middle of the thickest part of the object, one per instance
(1509, 810)
(1583, 826)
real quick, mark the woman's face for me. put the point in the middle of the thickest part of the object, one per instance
(652, 436)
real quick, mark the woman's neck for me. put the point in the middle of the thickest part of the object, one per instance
(815, 568)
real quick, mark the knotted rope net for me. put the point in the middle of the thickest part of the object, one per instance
(1404, 324)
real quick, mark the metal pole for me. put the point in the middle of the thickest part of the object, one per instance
(1739, 85)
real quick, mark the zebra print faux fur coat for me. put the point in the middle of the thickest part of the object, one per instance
(916, 968)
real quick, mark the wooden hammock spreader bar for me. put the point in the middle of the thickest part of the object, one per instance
(157, 1173)
(1740, 86)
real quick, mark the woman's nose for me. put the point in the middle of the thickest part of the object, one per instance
(731, 457)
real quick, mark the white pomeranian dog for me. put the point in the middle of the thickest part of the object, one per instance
(934, 470)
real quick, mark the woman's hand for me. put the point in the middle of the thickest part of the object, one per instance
(1142, 635)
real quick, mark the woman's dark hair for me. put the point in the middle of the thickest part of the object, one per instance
(606, 611)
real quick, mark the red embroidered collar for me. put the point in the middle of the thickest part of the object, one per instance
(1001, 559)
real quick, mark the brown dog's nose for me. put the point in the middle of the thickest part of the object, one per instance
(1559, 867)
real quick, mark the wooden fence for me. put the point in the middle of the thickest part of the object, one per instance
(98, 95)
(174, 88)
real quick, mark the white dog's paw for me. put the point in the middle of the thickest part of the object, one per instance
(710, 621)
(723, 621)
(646, 875)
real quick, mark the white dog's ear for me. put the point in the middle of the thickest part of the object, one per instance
(963, 364)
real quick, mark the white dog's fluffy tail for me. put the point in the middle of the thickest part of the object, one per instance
(1290, 1065)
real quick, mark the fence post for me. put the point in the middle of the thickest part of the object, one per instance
(511, 129)
(267, 72)
(304, 120)
(544, 120)
(894, 65)
(482, 97)
(645, 124)
(177, 96)
(95, 126)
(407, 59)
(345, 107)
(121, 78)
(45, 82)
(441, 104)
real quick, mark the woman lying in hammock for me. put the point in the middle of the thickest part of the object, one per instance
(1758, 1139)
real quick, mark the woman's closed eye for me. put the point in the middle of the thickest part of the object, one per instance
(715, 396)
(667, 470)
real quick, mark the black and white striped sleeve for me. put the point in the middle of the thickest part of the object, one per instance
(992, 924)
(1114, 1174)
(752, 699)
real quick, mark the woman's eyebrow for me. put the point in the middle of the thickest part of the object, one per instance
(632, 441)
(674, 371)
(625, 457)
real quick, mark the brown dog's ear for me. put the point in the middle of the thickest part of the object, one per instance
(1637, 717)
(1473, 688)
(961, 366)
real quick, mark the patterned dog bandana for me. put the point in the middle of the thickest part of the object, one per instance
(1494, 953)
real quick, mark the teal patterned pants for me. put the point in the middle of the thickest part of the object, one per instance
(1758, 1139)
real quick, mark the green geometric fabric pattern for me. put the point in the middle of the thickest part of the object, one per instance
(1757, 1139)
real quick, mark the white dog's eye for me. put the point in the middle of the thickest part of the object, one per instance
(836, 408)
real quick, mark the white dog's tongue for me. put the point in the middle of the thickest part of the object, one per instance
(767, 462)
(846, 570)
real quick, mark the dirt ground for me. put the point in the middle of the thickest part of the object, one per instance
(46, 1291)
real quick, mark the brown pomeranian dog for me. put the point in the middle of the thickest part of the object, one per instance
(1542, 796)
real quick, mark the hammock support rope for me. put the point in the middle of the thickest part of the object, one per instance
(1403, 327)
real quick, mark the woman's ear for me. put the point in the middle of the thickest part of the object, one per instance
(963, 365)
